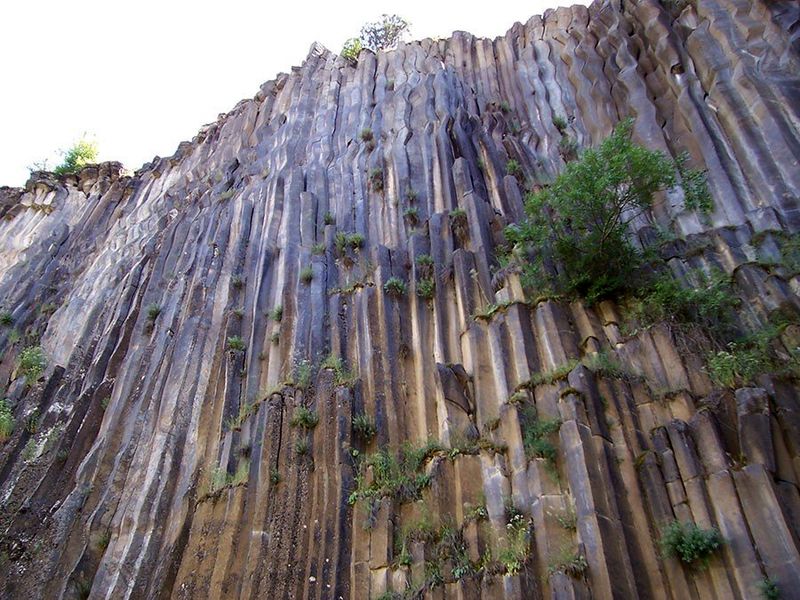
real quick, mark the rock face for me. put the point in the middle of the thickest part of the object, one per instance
(155, 455)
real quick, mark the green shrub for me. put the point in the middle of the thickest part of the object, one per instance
(727, 367)
(477, 513)
(568, 561)
(556, 374)
(458, 221)
(302, 373)
(578, 226)
(426, 288)
(219, 479)
(397, 477)
(790, 254)
(237, 282)
(276, 314)
(691, 544)
(242, 473)
(32, 363)
(366, 134)
(355, 240)
(513, 168)
(411, 215)
(236, 344)
(711, 305)
(274, 476)
(302, 446)
(411, 195)
(304, 418)
(328, 219)
(376, 179)
(567, 518)
(424, 261)
(536, 434)
(769, 589)
(307, 274)
(32, 422)
(29, 451)
(152, 311)
(103, 541)
(364, 427)
(605, 365)
(342, 376)
(351, 49)
(395, 286)
(560, 123)
(82, 153)
(754, 354)
(6, 420)
(318, 249)
(458, 215)
(6, 319)
(516, 551)
(340, 242)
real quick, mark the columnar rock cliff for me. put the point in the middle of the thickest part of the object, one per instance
(188, 313)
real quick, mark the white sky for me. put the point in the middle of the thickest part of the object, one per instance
(140, 77)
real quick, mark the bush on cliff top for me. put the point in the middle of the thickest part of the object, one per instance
(377, 35)
(82, 153)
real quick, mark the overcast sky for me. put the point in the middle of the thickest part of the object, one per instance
(140, 77)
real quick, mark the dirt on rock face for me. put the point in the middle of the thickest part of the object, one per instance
(222, 351)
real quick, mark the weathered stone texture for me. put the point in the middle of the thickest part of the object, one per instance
(105, 482)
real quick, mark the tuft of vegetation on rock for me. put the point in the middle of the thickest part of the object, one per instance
(395, 287)
(6, 420)
(32, 363)
(236, 344)
(342, 376)
(304, 418)
(364, 427)
(690, 543)
(307, 274)
(376, 179)
(82, 153)
(351, 49)
(395, 476)
(276, 314)
(426, 288)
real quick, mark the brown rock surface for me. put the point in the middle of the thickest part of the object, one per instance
(156, 458)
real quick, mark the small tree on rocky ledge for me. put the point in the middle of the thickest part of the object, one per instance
(82, 153)
(385, 32)
(378, 35)
(577, 228)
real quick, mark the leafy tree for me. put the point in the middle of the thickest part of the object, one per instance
(385, 32)
(82, 153)
(351, 49)
(578, 226)
(378, 35)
